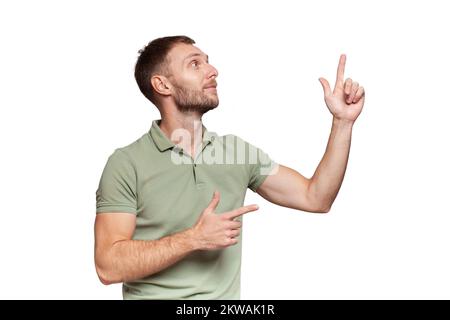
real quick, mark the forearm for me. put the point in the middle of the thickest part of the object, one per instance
(128, 260)
(328, 177)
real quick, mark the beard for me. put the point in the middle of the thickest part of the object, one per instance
(189, 100)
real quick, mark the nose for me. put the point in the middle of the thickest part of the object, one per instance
(212, 72)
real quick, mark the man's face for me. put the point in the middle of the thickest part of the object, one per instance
(193, 79)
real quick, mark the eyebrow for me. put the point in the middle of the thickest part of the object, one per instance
(194, 55)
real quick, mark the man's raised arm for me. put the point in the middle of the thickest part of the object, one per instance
(288, 187)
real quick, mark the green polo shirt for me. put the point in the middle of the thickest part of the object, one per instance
(167, 190)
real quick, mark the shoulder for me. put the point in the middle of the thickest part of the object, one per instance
(132, 151)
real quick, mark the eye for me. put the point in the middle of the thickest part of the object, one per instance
(194, 63)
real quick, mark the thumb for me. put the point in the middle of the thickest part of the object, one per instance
(214, 202)
(325, 86)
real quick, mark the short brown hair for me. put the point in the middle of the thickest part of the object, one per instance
(153, 59)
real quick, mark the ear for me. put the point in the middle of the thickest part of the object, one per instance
(161, 85)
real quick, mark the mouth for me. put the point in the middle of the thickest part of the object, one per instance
(211, 85)
(211, 88)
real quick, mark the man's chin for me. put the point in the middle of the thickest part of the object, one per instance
(201, 109)
(212, 104)
(205, 109)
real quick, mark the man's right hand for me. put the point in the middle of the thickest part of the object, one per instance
(218, 230)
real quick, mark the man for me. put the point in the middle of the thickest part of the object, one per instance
(157, 229)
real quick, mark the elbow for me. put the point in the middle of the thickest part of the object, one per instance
(313, 208)
(106, 275)
(107, 278)
(322, 207)
(318, 203)
(103, 276)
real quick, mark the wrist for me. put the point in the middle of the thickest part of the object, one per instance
(343, 123)
(192, 239)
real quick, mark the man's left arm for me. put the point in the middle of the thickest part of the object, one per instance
(288, 187)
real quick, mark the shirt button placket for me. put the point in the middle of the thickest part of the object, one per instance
(200, 184)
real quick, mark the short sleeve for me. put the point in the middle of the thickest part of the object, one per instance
(260, 165)
(117, 188)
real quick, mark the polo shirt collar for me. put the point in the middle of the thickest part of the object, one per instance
(163, 143)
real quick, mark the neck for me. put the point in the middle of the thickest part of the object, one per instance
(183, 129)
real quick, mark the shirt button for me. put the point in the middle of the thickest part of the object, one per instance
(212, 138)
(181, 152)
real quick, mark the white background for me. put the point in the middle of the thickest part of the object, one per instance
(68, 99)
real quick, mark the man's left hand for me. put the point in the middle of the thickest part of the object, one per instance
(347, 99)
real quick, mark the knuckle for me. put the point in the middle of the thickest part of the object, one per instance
(229, 242)
(236, 225)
